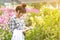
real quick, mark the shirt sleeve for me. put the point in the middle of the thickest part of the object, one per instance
(12, 24)
(23, 24)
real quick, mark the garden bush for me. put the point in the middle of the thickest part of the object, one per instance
(46, 25)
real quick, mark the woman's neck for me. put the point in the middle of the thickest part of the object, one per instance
(17, 16)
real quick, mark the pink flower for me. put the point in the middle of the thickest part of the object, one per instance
(6, 19)
(35, 10)
(1, 20)
(28, 9)
(32, 10)
(2, 9)
(11, 14)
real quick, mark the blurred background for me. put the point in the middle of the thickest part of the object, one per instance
(42, 15)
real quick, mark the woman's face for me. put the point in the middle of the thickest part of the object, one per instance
(19, 14)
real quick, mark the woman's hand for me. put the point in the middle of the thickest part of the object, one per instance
(25, 30)
(28, 28)
(31, 27)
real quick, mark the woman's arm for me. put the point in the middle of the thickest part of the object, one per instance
(28, 28)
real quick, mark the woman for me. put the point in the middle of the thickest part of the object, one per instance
(17, 24)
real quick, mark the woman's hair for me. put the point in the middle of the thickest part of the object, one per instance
(21, 8)
(18, 8)
(24, 7)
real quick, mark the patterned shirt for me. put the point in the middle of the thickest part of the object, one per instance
(17, 24)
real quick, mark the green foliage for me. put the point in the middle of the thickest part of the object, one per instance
(28, 22)
(0, 12)
(5, 35)
(46, 25)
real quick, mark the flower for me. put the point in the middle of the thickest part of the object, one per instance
(1, 19)
(35, 10)
(32, 10)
